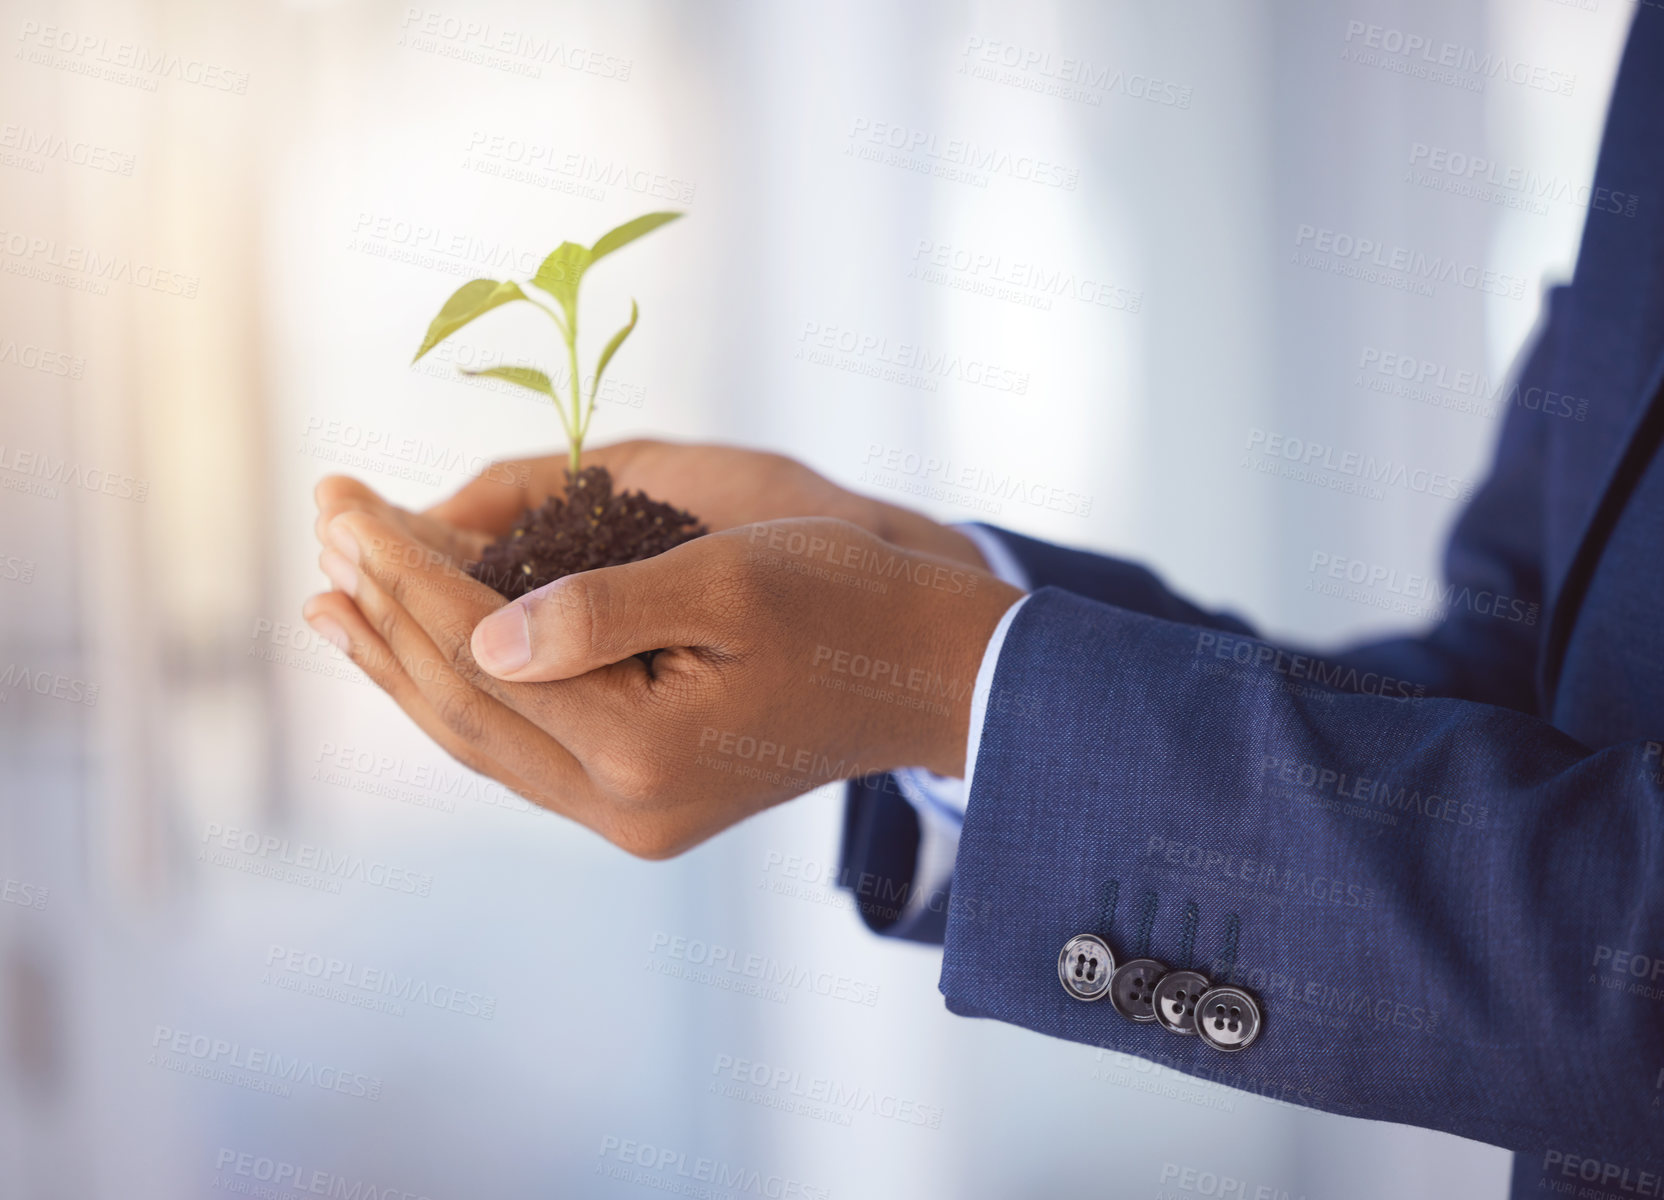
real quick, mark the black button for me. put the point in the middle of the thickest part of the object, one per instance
(1176, 997)
(1132, 991)
(1228, 1018)
(1085, 966)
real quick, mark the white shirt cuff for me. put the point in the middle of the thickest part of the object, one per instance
(1002, 564)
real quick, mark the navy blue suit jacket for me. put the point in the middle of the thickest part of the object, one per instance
(1438, 860)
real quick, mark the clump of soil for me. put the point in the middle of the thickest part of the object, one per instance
(587, 528)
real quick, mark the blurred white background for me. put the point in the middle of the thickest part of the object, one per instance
(223, 229)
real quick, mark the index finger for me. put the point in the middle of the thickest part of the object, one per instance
(410, 585)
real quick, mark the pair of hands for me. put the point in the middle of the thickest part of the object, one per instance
(814, 635)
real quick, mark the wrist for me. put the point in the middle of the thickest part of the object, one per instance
(915, 531)
(956, 628)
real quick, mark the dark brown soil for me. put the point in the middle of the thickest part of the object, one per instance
(587, 528)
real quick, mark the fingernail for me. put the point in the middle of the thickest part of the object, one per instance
(343, 539)
(341, 572)
(503, 641)
(330, 632)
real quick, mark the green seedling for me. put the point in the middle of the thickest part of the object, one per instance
(558, 277)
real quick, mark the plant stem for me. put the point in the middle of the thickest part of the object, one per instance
(575, 435)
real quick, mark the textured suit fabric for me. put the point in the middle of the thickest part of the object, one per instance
(1435, 859)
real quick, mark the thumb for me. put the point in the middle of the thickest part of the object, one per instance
(595, 618)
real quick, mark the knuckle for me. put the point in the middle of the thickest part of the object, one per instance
(382, 615)
(383, 668)
(461, 657)
(334, 490)
(460, 710)
(394, 583)
(650, 840)
(742, 587)
(635, 779)
(572, 614)
(452, 634)
(594, 613)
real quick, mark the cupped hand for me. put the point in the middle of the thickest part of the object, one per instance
(724, 486)
(789, 654)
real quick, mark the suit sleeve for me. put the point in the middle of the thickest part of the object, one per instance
(1450, 911)
(1429, 897)
(1440, 900)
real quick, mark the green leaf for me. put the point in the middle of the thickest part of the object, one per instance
(467, 302)
(612, 349)
(560, 273)
(628, 232)
(526, 377)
